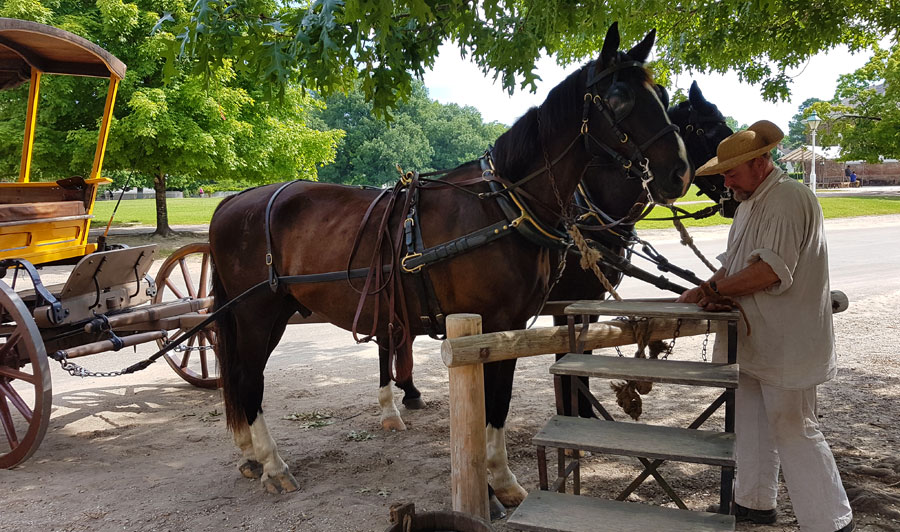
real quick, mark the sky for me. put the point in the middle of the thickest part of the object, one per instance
(454, 80)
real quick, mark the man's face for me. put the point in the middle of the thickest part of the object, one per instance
(745, 178)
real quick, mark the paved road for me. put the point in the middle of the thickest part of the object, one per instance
(864, 255)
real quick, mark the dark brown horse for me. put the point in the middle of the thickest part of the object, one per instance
(702, 127)
(608, 109)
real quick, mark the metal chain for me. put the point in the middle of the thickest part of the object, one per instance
(705, 341)
(77, 371)
(671, 345)
(182, 349)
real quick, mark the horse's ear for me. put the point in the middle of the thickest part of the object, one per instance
(696, 97)
(641, 50)
(610, 45)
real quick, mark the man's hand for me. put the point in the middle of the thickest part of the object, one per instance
(694, 295)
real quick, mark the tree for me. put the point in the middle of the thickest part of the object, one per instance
(864, 116)
(329, 44)
(424, 135)
(187, 129)
(797, 128)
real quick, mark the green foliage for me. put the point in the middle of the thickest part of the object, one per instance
(864, 116)
(327, 45)
(797, 128)
(424, 135)
(171, 128)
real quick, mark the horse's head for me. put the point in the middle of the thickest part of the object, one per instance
(629, 127)
(703, 127)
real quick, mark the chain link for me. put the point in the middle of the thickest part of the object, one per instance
(705, 341)
(182, 349)
(671, 345)
(77, 371)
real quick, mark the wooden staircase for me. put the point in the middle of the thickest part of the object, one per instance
(552, 509)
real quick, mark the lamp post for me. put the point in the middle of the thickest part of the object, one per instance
(813, 122)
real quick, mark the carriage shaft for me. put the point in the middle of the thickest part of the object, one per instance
(108, 345)
(150, 314)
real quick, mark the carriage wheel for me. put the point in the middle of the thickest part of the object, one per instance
(186, 275)
(25, 392)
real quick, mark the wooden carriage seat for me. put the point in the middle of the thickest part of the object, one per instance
(25, 202)
(15, 212)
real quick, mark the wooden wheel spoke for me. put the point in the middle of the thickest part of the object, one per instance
(10, 344)
(10, 393)
(188, 281)
(200, 371)
(8, 426)
(14, 374)
(174, 289)
(204, 277)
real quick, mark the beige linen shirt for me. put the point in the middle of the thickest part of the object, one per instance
(792, 341)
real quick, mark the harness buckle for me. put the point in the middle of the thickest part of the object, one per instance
(584, 126)
(268, 259)
(624, 138)
(408, 257)
(410, 222)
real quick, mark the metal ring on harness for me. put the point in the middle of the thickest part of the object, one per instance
(410, 256)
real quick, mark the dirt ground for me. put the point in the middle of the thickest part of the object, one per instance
(149, 452)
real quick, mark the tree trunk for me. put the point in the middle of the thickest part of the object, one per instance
(162, 215)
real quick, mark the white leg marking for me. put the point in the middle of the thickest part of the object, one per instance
(390, 416)
(504, 482)
(264, 447)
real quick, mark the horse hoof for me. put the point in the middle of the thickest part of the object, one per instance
(415, 403)
(392, 424)
(251, 469)
(280, 483)
(512, 495)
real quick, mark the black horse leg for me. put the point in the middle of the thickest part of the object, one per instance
(498, 381)
(584, 406)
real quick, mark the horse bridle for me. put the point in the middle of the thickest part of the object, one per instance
(635, 158)
(695, 126)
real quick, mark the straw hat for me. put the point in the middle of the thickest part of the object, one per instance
(743, 146)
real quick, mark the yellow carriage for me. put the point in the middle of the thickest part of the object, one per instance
(108, 300)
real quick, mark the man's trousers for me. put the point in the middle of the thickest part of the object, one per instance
(773, 427)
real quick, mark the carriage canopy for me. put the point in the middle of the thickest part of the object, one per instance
(26, 46)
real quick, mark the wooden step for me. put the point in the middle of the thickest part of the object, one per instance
(547, 511)
(633, 439)
(648, 309)
(645, 369)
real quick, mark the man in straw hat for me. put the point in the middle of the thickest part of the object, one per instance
(776, 267)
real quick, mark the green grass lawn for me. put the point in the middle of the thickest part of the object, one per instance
(182, 211)
(831, 207)
(198, 211)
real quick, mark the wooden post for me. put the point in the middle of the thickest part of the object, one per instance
(468, 460)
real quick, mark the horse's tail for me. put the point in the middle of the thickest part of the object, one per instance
(226, 340)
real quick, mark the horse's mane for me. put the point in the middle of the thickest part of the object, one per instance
(515, 149)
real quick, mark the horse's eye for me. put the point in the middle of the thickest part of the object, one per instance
(620, 100)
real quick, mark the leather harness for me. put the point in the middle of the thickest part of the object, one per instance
(382, 274)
